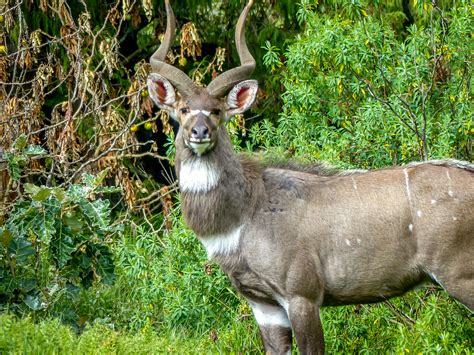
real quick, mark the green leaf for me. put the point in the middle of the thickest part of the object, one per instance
(5, 237)
(105, 265)
(21, 248)
(93, 182)
(98, 213)
(31, 189)
(25, 285)
(34, 302)
(59, 193)
(146, 36)
(73, 221)
(99, 179)
(42, 194)
(37, 193)
(65, 247)
(20, 143)
(14, 168)
(34, 150)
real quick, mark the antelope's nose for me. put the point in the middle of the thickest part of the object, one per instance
(200, 131)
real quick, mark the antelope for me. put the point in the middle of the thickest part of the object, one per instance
(295, 239)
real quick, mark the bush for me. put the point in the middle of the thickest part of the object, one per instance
(359, 94)
(364, 85)
(54, 242)
(164, 281)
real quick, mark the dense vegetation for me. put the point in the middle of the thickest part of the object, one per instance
(94, 256)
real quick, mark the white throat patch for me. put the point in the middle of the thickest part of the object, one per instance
(222, 244)
(198, 175)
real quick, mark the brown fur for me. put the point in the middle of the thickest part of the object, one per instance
(318, 237)
(295, 238)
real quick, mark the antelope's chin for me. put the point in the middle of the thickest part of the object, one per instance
(200, 147)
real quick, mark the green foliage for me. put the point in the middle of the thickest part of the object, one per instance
(367, 83)
(420, 322)
(54, 241)
(164, 281)
(21, 154)
(51, 337)
(358, 94)
(424, 321)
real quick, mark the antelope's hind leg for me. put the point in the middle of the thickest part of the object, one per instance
(459, 286)
(274, 327)
(453, 268)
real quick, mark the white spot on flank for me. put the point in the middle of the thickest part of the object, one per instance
(267, 315)
(222, 244)
(197, 112)
(198, 175)
(410, 227)
(419, 213)
(348, 242)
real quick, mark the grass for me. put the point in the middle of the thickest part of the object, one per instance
(420, 322)
(20, 336)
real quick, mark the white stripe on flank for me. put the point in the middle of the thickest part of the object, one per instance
(450, 191)
(198, 175)
(449, 176)
(407, 186)
(222, 244)
(354, 185)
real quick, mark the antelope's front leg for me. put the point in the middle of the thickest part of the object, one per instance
(306, 324)
(275, 327)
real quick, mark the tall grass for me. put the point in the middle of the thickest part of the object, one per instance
(422, 322)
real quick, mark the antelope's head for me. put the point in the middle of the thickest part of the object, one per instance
(201, 111)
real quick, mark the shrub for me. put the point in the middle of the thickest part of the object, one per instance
(163, 281)
(358, 93)
(55, 241)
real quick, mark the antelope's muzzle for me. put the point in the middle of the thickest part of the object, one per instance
(200, 138)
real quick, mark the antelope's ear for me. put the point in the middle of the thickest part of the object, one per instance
(241, 97)
(161, 92)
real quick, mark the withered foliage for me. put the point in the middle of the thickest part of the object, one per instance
(70, 85)
(86, 127)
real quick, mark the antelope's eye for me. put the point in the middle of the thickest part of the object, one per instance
(184, 110)
(216, 112)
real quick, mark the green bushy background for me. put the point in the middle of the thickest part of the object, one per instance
(90, 268)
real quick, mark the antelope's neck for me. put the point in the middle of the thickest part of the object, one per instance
(215, 193)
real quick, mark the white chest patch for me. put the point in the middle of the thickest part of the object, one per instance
(268, 315)
(222, 244)
(198, 175)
